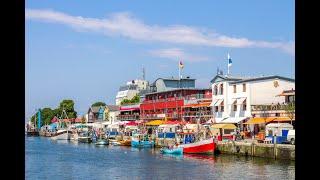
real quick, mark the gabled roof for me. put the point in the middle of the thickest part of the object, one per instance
(264, 78)
(226, 78)
(113, 107)
(95, 109)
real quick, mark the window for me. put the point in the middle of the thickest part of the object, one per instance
(244, 88)
(215, 90)
(221, 89)
(222, 107)
(216, 109)
(234, 107)
(244, 105)
(234, 88)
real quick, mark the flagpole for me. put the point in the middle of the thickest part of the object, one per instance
(179, 73)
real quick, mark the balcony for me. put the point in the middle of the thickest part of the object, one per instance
(242, 113)
(218, 114)
(233, 114)
(128, 117)
(197, 114)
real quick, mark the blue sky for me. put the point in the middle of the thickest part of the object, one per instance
(84, 51)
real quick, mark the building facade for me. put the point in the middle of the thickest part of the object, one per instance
(174, 104)
(236, 99)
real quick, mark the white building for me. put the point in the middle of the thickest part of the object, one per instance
(131, 89)
(233, 98)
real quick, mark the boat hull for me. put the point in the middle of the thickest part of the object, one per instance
(84, 139)
(201, 147)
(172, 151)
(63, 136)
(32, 133)
(102, 142)
(143, 144)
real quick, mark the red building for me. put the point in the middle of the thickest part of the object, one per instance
(171, 104)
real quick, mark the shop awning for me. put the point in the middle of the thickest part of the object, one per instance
(233, 101)
(260, 120)
(198, 105)
(213, 102)
(241, 100)
(224, 126)
(154, 123)
(233, 120)
(218, 102)
(280, 119)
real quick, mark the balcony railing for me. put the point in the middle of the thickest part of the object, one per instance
(218, 114)
(242, 113)
(128, 117)
(197, 114)
(190, 97)
(232, 113)
(270, 107)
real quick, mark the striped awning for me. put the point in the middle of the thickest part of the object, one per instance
(206, 104)
(260, 120)
(155, 123)
(224, 126)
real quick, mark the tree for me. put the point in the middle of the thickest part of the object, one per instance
(46, 115)
(98, 104)
(68, 106)
(290, 110)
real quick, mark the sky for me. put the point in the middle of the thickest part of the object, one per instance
(84, 51)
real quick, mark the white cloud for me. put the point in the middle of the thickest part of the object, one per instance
(125, 25)
(177, 54)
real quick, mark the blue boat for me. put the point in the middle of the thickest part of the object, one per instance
(171, 151)
(141, 140)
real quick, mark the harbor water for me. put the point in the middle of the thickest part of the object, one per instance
(48, 159)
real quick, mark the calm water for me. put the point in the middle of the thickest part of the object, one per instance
(47, 159)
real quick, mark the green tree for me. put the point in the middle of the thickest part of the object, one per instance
(98, 104)
(68, 106)
(290, 110)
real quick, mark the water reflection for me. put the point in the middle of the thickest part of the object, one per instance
(47, 159)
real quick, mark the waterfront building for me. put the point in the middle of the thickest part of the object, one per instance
(129, 112)
(110, 114)
(167, 84)
(238, 99)
(131, 89)
(175, 104)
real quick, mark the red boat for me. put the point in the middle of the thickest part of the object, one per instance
(201, 147)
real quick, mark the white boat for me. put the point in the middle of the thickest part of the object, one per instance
(61, 134)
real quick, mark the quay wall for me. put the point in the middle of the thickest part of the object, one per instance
(276, 151)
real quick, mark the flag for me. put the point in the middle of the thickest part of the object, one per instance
(181, 65)
(229, 60)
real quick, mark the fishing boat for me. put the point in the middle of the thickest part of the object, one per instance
(125, 143)
(195, 139)
(84, 137)
(177, 150)
(102, 142)
(142, 140)
(200, 147)
(61, 134)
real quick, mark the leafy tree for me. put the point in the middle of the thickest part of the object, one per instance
(290, 110)
(135, 99)
(98, 104)
(68, 106)
(47, 113)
